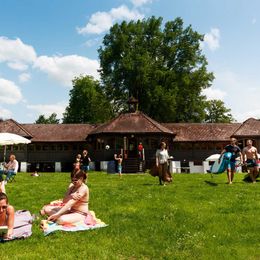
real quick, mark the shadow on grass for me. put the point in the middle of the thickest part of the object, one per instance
(247, 179)
(211, 183)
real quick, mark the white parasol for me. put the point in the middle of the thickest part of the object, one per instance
(10, 139)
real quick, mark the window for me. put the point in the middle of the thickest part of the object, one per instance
(31, 147)
(38, 147)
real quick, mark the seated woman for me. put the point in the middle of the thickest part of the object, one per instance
(6, 213)
(10, 168)
(74, 206)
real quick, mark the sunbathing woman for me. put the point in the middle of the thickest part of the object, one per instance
(74, 206)
(6, 213)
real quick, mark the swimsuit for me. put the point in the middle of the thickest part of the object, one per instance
(251, 163)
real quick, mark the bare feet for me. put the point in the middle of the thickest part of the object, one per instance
(42, 212)
(44, 224)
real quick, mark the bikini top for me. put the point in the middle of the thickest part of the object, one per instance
(79, 190)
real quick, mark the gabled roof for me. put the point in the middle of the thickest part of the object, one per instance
(250, 127)
(11, 126)
(192, 132)
(136, 122)
(59, 132)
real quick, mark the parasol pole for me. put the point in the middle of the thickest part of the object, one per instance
(4, 152)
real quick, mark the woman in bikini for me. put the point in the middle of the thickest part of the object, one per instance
(6, 213)
(74, 206)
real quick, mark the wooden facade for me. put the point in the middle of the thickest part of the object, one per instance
(186, 141)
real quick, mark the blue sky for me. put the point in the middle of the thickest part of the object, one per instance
(44, 44)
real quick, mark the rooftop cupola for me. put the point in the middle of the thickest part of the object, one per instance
(132, 104)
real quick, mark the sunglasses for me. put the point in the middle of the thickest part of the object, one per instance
(3, 207)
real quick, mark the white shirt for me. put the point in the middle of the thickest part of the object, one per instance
(162, 156)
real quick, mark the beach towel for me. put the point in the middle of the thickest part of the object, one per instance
(22, 225)
(89, 223)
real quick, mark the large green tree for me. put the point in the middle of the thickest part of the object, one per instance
(87, 103)
(216, 112)
(163, 68)
(52, 119)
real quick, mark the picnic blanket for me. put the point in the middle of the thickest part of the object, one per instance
(22, 225)
(90, 222)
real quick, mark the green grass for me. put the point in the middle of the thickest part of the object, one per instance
(196, 217)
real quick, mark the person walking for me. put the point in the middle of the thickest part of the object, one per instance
(162, 157)
(235, 152)
(250, 159)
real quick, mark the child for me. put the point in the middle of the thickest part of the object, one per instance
(119, 160)
(77, 163)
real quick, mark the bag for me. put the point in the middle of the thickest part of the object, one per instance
(167, 177)
(22, 224)
(154, 171)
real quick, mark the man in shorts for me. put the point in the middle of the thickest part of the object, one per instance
(250, 158)
(235, 152)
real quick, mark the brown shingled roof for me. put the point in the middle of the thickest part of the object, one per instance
(193, 132)
(59, 132)
(11, 126)
(250, 127)
(136, 122)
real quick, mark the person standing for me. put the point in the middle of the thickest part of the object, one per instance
(162, 157)
(140, 151)
(250, 158)
(235, 152)
(85, 160)
(119, 159)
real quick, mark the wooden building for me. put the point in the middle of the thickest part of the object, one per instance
(60, 143)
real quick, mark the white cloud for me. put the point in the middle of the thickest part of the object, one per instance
(212, 38)
(241, 117)
(92, 42)
(24, 77)
(213, 93)
(101, 21)
(9, 92)
(16, 53)
(65, 68)
(17, 65)
(48, 109)
(139, 3)
(241, 93)
(4, 113)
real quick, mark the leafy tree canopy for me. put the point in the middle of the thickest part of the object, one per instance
(87, 103)
(52, 119)
(216, 112)
(163, 68)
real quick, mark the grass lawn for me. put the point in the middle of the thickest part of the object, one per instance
(196, 217)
